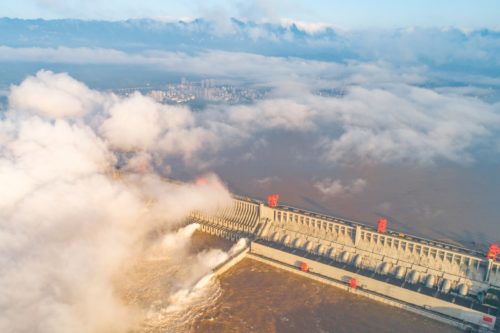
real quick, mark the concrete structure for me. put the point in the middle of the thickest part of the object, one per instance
(438, 278)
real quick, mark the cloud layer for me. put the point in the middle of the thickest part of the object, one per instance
(381, 116)
(53, 95)
(334, 187)
(68, 222)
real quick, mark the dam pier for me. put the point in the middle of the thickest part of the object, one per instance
(445, 282)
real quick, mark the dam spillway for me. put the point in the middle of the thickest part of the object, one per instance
(438, 279)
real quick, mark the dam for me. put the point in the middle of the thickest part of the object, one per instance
(452, 284)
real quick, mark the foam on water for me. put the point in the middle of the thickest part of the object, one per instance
(179, 312)
(240, 245)
(180, 309)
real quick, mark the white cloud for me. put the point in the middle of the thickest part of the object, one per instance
(310, 28)
(267, 180)
(134, 123)
(406, 124)
(67, 226)
(272, 114)
(381, 118)
(130, 124)
(54, 95)
(334, 187)
(138, 123)
(188, 141)
(211, 62)
(58, 150)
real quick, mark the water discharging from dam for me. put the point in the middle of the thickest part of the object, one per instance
(389, 268)
(254, 297)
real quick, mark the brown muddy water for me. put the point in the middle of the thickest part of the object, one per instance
(254, 297)
(261, 298)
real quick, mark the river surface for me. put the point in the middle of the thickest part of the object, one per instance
(251, 297)
(260, 298)
(255, 297)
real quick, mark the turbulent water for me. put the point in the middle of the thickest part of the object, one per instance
(170, 293)
(254, 297)
(260, 298)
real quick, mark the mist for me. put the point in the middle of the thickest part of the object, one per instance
(69, 221)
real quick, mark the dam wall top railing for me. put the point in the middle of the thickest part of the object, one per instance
(241, 216)
(370, 248)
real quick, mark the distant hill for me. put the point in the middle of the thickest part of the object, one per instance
(444, 47)
(142, 34)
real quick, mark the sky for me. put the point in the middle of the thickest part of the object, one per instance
(347, 14)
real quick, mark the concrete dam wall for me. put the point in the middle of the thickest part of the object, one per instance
(435, 270)
(241, 219)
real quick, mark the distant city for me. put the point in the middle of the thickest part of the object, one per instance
(200, 92)
(208, 90)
